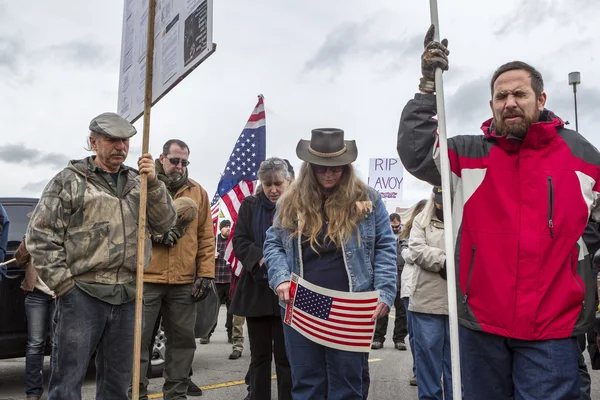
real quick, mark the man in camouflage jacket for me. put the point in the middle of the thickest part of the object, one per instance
(82, 238)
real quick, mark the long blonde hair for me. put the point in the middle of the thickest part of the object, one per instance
(301, 208)
(416, 211)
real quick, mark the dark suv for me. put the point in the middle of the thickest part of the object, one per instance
(13, 323)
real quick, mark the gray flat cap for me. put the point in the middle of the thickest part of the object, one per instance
(112, 125)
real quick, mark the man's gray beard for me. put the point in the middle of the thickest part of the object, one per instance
(174, 176)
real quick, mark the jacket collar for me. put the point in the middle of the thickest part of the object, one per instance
(539, 135)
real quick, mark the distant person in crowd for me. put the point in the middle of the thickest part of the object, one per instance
(408, 281)
(429, 301)
(523, 193)
(179, 275)
(253, 298)
(39, 308)
(400, 328)
(334, 231)
(82, 238)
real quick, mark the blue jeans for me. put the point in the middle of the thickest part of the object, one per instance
(411, 335)
(39, 308)
(432, 354)
(495, 367)
(320, 372)
(585, 380)
(83, 324)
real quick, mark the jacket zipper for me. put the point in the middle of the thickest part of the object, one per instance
(466, 297)
(551, 206)
(578, 284)
(124, 238)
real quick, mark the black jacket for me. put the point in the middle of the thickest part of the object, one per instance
(253, 297)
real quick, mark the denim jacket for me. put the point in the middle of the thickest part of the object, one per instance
(371, 265)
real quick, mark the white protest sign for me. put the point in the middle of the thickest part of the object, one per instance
(182, 41)
(386, 176)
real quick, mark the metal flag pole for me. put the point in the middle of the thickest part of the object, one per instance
(139, 287)
(448, 231)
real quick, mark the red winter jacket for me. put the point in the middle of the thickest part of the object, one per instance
(520, 208)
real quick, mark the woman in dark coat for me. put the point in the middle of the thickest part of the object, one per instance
(253, 298)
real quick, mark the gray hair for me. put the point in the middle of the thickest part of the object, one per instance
(88, 146)
(272, 165)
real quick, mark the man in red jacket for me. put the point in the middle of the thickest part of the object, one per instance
(523, 193)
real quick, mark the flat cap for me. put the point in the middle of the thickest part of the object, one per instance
(112, 125)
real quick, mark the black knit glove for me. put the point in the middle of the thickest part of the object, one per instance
(201, 288)
(442, 272)
(434, 56)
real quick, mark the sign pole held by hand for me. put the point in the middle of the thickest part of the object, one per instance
(139, 287)
(448, 232)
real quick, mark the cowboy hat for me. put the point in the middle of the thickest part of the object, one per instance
(327, 147)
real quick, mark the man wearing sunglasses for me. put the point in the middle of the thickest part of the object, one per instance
(180, 273)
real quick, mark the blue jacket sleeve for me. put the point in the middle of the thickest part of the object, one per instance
(275, 257)
(4, 227)
(385, 270)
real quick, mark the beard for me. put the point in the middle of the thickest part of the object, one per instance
(174, 176)
(515, 128)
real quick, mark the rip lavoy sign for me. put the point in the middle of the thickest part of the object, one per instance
(386, 176)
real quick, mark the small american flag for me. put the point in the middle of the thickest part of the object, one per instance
(340, 320)
(241, 172)
(215, 209)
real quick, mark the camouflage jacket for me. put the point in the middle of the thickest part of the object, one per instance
(85, 227)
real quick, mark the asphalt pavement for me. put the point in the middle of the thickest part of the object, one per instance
(221, 378)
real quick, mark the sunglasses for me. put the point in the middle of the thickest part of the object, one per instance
(321, 169)
(176, 161)
(272, 163)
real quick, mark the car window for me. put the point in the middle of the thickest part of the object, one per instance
(17, 215)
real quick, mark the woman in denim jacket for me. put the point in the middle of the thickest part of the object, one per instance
(334, 231)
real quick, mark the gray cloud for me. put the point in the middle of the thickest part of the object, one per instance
(351, 41)
(80, 52)
(338, 44)
(35, 187)
(16, 57)
(469, 106)
(530, 14)
(10, 54)
(18, 153)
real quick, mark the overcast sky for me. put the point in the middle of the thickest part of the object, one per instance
(350, 64)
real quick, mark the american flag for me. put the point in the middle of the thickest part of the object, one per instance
(340, 320)
(215, 208)
(241, 172)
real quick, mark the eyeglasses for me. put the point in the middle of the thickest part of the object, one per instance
(176, 161)
(321, 169)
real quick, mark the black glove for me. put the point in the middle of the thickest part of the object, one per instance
(434, 56)
(168, 239)
(442, 272)
(201, 288)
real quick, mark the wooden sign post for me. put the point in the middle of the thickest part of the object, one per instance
(139, 287)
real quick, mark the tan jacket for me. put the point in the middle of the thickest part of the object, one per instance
(426, 252)
(194, 253)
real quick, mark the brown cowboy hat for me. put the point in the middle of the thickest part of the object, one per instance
(327, 147)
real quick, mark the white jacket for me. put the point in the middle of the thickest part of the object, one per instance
(408, 279)
(426, 252)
